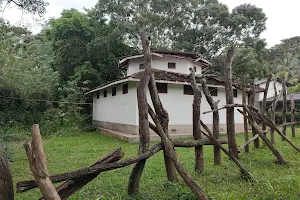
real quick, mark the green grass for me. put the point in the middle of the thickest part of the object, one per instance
(75, 149)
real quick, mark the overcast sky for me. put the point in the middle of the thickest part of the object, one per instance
(283, 16)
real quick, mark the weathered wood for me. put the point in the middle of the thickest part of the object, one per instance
(293, 116)
(199, 159)
(38, 165)
(69, 187)
(247, 143)
(284, 106)
(275, 152)
(263, 108)
(6, 184)
(273, 108)
(251, 103)
(246, 136)
(135, 176)
(28, 185)
(164, 120)
(169, 147)
(216, 119)
(245, 173)
(230, 123)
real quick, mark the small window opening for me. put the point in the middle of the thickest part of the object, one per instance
(188, 90)
(125, 88)
(235, 93)
(162, 87)
(142, 66)
(171, 65)
(105, 93)
(114, 91)
(98, 95)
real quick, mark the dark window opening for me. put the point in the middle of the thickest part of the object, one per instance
(105, 93)
(171, 65)
(195, 69)
(98, 95)
(142, 66)
(187, 89)
(114, 91)
(235, 93)
(125, 88)
(213, 91)
(162, 87)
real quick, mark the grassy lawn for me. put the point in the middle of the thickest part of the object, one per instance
(76, 149)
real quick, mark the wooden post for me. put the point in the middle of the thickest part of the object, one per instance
(284, 106)
(246, 136)
(199, 161)
(135, 176)
(229, 100)
(38, 165)
(216, 120)
(251, 102)
(164, 120)
(273, 109)
(293, 115)
(264, 102)
(6, 184)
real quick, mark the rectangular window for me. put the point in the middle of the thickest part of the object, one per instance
(105, 93)
(98, 95)
(162, 87)
(213, 91)
(171, 65)
(195, 69)
(125, 88)
(114, 91)
(142, 66)
(187, 89)
(235, 93)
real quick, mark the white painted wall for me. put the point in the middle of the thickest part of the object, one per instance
(119, 109)
(182, 65)
(179, 106)
(271, 91)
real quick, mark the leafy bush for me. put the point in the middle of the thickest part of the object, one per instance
(278, 117)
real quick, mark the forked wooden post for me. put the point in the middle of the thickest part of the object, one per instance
(251, 103)
(6, 184)
(38, 165)
(284, 106)
(246, 135)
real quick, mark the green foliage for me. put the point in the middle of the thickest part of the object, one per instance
(36, 7)
(278, 117)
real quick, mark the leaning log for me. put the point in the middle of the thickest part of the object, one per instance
(6, 184)
(216, 119)
(246, 144)
(245, 173)
(135, 176)
(69, 187)
(275, 152)
(38, 165)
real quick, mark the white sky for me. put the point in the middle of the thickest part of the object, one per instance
(283, 16)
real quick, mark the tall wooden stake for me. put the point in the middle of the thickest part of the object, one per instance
(284, 106)
(38, 165)
(199, 161)
(246, 136)
(293, 116)
(135, 176)
(229, 100)
(264, 102)
(6, 184)
(273, 109)
(251, 102)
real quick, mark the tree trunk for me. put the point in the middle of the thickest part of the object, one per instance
(6, 184)
(216, 120)
(229, 100)
(264, 102)
(273, 109)
(135, 176)
(199, 161)
(246, 136)
(284, 106)
(38, 165)
(251, 102)
(293, 116)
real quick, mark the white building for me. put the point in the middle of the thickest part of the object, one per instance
(115, 103)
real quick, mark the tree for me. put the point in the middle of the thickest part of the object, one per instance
(36, 7)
